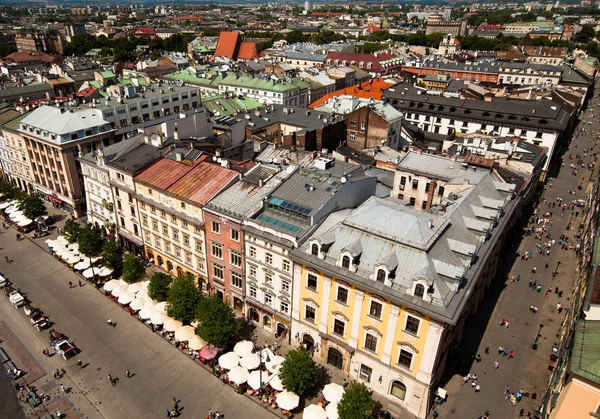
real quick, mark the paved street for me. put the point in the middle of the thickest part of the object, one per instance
(161, 371)
(528, 370)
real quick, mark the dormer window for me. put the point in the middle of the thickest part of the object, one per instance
(381, 275)
(419, 290)
(346, 262)
(314, 249)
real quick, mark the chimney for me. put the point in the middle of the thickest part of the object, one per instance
(430, 193)
(430, 223)
(178, 156)
(261, 183)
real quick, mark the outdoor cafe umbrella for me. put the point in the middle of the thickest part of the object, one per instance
(136, 305)
(72, 260)
(331, 410)
(287, 400)
(229, 360)
(84, 264)
(117, 291)
(110, 285)
(147, 312)
(5, 205)
(208, 353)
(125, 298)
(274, 363)
(238, 375)
(134, 288)
(250, 361)
(62, 251)
(333, 392)
(171, 325)
(243, 347)
(196, 343)
(254, 379)
(51, 243)
(185, 333)
(157, 318)
(62, 239)
(105, 271)
(23, 222)
(161, 307)
(88, 273)
(276, 383)
(314, 412)
(10, 209)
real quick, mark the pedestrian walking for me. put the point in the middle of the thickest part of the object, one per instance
(79, 363)
(506, 325)
(70, 284)
(168, 414)
(511, 354)
(496, 365)
(127, 374)
(487, 350)
(6, 259)
(80, 283)
(62, 388)
(478, 358)
(110, 378)
(507, 389)
(174, 400)
(534, 270)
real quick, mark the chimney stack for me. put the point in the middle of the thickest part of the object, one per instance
(430, 195)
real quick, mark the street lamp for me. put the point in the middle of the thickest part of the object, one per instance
(557, 265)
(260, 354)
(539, 333)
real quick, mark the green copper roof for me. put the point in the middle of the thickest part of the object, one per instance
(107, 74)
(227, 107)
(585, 356)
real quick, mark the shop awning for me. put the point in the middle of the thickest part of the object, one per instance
(55, 198)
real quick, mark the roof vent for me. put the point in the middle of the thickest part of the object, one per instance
(430, 223)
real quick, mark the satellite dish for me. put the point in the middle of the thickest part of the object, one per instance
(343, 179)
(214, 158)
(219, 160)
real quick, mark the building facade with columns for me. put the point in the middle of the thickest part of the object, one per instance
(384, 301)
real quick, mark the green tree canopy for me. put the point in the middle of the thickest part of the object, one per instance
(33, 207)
(298, 372)
(183, 298)
(90, 241)
(356, 402)
(585, 35)
(294, 36)
(216, 322)
(71, 230)
(158, 288)
(112, 254)
(132, 268)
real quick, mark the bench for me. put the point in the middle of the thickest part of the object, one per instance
(4, 356)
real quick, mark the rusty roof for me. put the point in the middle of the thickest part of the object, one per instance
(479, 161)
(202, 182)
(164, 173)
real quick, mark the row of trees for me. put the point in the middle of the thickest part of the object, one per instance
(31, 205)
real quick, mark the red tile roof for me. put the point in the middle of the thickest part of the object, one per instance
(370, 89)
(23, 56)
(202, 183)
(164, 173)
(86, 92)
(247, 51)
(145, 31)
(227, 44)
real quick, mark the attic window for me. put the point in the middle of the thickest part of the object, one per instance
(419, 291)
(431, 106)
(543, 121)
(484, 114)
(314, 249)
(440, 108)
(499, 115)
(525, 119)
(453, 109)
(467, 111)
(512, 117)
(381, 275)
(346, 262)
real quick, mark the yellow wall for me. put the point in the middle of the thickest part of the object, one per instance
(365, 319)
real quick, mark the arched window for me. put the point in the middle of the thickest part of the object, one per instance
(169, 266)
(381, 275)
(419, 290)
(398, 389)
(314, 249)
(346, 262)
(160, 261)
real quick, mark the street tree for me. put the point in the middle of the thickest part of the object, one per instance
(158, 288)
(71, 230)
(33, 207)
(216, 322)
(183, 298)
(133, 269)
(112, 254)
(356, 403)
(298, 372)
(90, 241)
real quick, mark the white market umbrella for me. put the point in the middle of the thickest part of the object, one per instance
(274, 363)
(254, 379)
(333, 392)
(62, 251)
(314, 412)
(125, 298)
(51, 243)
(143, 286)
(157, 318)
(73, 260)
(229, 360)
(136, 305)
(144, 299)
(105, 271)
(196, 343)
(133, 288)
(147, 312)
(89, 273)
(243, 347)
(11, 209)
(250, 361)
(331, 410)
(238, 375)
(84, 264)
(171, 325)
(24, 222)
(161, 307)
(288, 400)
(110, 285)
(15, 214)
(276, 383)
(117, 291)
(185, 333)
(62, 239)
(5, 205)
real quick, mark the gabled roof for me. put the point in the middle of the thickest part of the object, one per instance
(202, 182)
(371, 89)
(247, 51)
(227, 45)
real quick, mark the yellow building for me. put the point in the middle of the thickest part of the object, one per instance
(382, 291)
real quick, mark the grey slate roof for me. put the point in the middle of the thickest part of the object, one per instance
(430, 165)
(136, 160)
(307, 119)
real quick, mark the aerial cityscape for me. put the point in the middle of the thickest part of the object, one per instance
(301, 209)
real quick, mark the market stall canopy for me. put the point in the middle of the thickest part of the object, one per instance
(112, 284)
(288, 400)
(117, 291)
(250, 361)
(243, 347)
(185, 333)
(89, 273)
(254, 379)
(196, 343)
(333, 392)
(238, 375)
(105, 271)
(136, 305)
(314, 412)
(331, 410)
(276, 383)
(147, 312)
(208, 353)
(24, 222)
(161, 307)
(84, 264)
(229, 360)
(274, 363)
(125, 298)
(73, 260)
(157, 318)
(171, 325)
